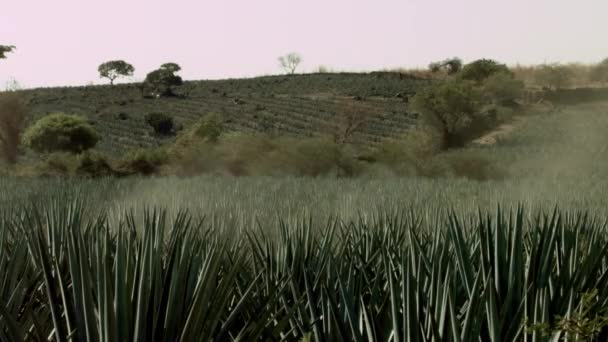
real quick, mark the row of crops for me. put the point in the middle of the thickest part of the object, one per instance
(186, 259)
(403, 277)
(287, 104)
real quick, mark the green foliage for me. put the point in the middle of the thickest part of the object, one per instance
(502, 88)
(94, 164)
(481, 69)
(452, 107)
(114, 69)
(160, 122)
(160, 82)
(403, 275)
(142, 162)
(209, 128)
(4, 49)
(60, 132)
(554, 76)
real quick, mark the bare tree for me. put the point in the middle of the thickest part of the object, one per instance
(351, 117)
(12, 116)
(290, 62)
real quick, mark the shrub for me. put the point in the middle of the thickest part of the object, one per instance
(142, 162)
(12, 115)
(56, 164)
(502, 88)
(452, 108)
(312, 157)
(160, 122)
(481, 69)
(93, 164)
(554, 76)
(406, 154)
(209, 128)
(60, 132)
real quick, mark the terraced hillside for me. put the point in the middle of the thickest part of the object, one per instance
(296, 105)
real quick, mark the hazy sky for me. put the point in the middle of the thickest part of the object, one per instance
(61, 42)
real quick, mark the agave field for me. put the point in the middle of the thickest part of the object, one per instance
(293, 105)
(258, 259)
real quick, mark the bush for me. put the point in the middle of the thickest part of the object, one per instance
(502, 88)
(12, 115)
(142, 162)
(92, 164)
(452, 108)
(60, 132)
(209, 128)
(481, 69)
(405, 154)
(554, 76)
(311, 157)
(161, 123)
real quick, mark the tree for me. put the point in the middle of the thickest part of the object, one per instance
(481, 69)
(4, 49)
(451, 65)
(554, 76)
(352, 117)
(12, 116)
(599, 73)
(290, 62)
(162, 80)
(451, 107)
(61, 132)
(114, 69)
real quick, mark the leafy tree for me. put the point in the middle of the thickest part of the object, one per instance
(162, 80)
(61, 132)
(451, 107)
(4, 49)
(290, 62)
(12, 116)
(481, 69)
(171, 67)
(114, 69)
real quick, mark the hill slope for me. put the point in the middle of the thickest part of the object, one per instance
(293, 105)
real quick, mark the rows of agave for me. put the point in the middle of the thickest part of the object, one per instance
(69, 276)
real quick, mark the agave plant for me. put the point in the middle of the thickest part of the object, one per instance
(69, 273)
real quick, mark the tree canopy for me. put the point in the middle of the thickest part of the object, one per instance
(114, 69)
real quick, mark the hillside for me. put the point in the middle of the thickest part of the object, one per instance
(294, 105)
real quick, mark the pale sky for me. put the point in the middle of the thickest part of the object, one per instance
(61, 42)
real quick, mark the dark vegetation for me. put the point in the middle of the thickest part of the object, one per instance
(12, 117)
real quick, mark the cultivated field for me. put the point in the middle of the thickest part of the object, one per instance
(386, 259)
(289, 105)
